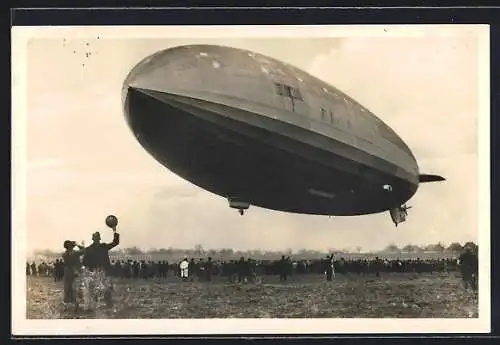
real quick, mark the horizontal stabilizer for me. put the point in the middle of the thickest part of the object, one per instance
(429, 178)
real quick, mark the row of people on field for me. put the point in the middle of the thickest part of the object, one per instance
(204, 269)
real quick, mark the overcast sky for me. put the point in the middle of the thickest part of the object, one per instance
(84, 163)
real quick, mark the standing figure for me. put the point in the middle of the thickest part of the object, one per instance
(330, 270)
(242, 270)
(209, 269)
(184, 269)
(33, 269)
(284, 268)
(97, 265)
(71, 264)
(469, 267)
(58, 270)
(191, 269)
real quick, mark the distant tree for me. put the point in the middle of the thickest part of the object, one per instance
(334, 250)
(133, 251)
(198, 249)
(455, 247)
(435, 247)
(412, 248)
(44, 252)
(212, 253)
(409, 248)
(358, 249)
(116, 252)
(226, 254)
(391, 248)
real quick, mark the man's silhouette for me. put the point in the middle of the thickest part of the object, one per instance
(98, 267)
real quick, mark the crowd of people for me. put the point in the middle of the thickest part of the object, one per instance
(87, 271)
(246, 269)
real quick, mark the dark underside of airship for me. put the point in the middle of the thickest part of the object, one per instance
(258, 131)
(259, 166)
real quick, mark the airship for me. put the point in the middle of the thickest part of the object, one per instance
(258, 131)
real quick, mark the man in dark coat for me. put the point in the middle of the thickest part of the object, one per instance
(208, 269)
(97, 268)
(97, 254)
(242, 270)
(284, 264)
(71, 265)
(33, 269)
(329, 269)
(469, 267)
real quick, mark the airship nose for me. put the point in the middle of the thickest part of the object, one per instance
(144, 74)
(154, 111)
(137, 76)
(155, 123)
(135, 100)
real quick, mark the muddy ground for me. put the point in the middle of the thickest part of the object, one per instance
(303, 296)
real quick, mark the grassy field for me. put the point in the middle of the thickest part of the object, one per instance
(308, 296)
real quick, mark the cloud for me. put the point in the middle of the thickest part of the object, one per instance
(423, 87)
(426, 88)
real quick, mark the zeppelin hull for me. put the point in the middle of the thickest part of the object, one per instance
(266, 162)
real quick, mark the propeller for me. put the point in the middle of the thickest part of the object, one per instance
(405, 208)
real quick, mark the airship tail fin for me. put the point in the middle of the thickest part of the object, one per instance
(430, 178)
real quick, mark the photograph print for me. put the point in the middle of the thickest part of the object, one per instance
(276, 179)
